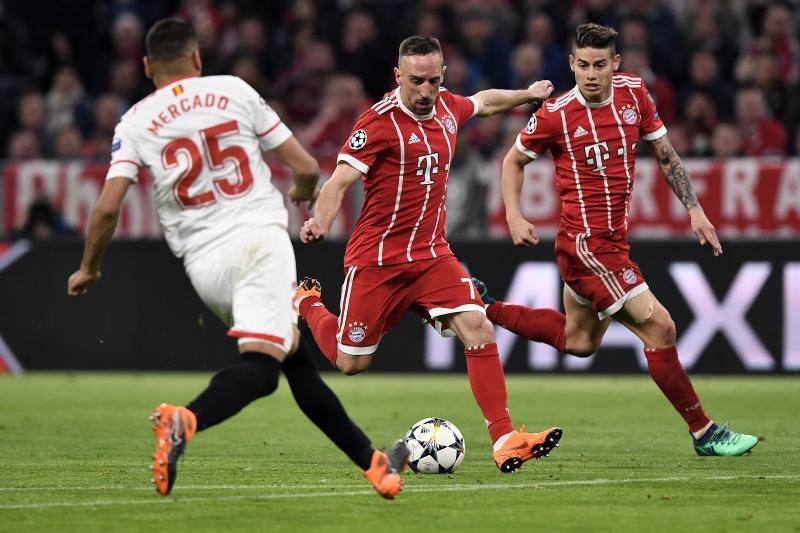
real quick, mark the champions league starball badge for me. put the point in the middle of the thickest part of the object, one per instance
(358, 140)
(531, 126)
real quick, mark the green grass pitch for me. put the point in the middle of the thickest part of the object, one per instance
(74, 450)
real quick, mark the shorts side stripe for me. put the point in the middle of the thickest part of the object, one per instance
(344, 302)
(598, 269)
(612, 279)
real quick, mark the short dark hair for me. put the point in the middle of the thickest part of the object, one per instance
(419, 45)
(591, 35)
(170, 39)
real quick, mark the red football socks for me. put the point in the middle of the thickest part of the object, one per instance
(489, 387)
(323, 325)
(539, 325)
(668, 373)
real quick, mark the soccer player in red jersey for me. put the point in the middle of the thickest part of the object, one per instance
(592, 132)
(397, 258)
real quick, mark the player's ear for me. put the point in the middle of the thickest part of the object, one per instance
(397, 75)
(616, 62)
(572, 62)
(148, 68)
(196, 61)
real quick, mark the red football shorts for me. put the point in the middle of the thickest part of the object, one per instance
(597, 271)
(374, 299)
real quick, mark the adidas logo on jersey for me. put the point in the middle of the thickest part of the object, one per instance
(413, 139)
(580, 132)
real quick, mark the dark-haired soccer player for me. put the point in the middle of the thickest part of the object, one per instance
(593, 132)
(202, 139)
(397, 257)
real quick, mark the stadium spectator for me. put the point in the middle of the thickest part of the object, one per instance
(704, 77)
(484, 49)
(467, 184)
(343, 102)
(605, 12)
(24, 145)
(304, 88)
(679, 138)
(63, 99)
(700, 119)
(107, 112)
(635, 61)
(760, 68)
(527, 65)
(458, 77)
(69, 143)
(777, 36)
(364, 53)
(726, 142)
(539, 30)
(762, 134)
(40, 222)
(31, 118)
(127, 33)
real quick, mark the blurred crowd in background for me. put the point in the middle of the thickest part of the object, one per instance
(725, 73)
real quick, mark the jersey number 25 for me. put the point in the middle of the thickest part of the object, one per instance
(216, 156)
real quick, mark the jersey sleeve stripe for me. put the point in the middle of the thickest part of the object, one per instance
(475, 104)
(530, 153)
(653, 135)
(353, 162)
(260, 336)
(270, 129)
(125, 161)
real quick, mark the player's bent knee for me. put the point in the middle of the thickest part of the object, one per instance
(351, 365)
(583, 347)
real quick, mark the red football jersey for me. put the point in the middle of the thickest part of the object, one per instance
(405, 160)
(594, 150)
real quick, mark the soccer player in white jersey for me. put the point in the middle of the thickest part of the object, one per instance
(202, 139)
(592, 133)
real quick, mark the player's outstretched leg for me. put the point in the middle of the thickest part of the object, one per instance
(319, 403)
(538, 325)
(229, 391)
(323, 323)
(173, 427)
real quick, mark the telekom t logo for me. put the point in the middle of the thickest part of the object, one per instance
(427, 165)
(595, 155)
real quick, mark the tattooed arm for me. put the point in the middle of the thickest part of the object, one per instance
(678, 179)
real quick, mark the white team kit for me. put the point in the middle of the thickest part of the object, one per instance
(202, 138)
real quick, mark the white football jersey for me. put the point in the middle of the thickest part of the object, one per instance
(201, 138)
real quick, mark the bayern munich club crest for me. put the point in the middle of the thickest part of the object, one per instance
(450, 125)
(628, 114)
(358, 140)
(629, 276)
(356, 331)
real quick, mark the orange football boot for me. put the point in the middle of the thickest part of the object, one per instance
(307, 287)
(522, 446)
(385, 469)
(173, 427)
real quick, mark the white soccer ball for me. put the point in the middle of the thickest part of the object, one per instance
(436, 446)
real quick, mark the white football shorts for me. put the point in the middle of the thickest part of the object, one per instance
(249, 283)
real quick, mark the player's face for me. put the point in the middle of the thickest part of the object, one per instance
(419, 78)
(594, 68)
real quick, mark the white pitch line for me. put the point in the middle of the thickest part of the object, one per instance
(443, 488)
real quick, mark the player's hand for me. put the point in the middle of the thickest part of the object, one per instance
(298, 195)
(312, 232)
(704, 230)
(541, 90)
(523, 233)
(78, 283)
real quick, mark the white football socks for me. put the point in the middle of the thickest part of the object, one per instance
(699, 434)
(499, 442)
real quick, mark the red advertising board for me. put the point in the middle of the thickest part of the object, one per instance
(74, 186)
(742, 197)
